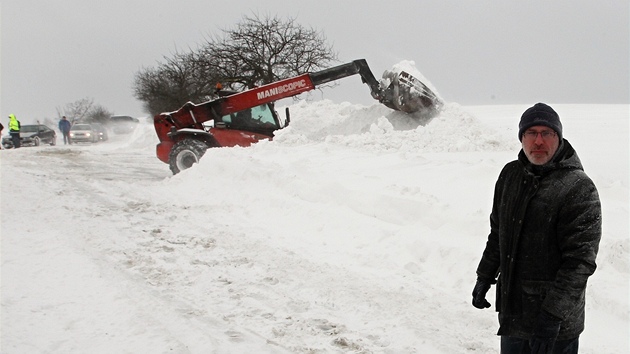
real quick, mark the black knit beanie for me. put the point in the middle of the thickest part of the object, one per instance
(539, 114)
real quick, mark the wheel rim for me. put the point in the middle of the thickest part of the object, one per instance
(186, 159)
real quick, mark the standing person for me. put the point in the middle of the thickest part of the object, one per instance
(64, 127)
(14, 130)
(545, 228)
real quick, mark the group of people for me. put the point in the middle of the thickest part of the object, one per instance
(545, 228)
(14, 130)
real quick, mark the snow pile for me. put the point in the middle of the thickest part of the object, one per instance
(379, 129)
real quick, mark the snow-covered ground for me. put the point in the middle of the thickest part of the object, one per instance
(357, 230)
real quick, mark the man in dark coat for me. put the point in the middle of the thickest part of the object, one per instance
(545, 228)
(64, 127)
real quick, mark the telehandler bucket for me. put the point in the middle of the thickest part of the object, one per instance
(398, 89)
(404, 92)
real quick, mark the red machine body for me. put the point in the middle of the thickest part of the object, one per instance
(192, 117)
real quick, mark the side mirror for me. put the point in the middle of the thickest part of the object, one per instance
(288, 115)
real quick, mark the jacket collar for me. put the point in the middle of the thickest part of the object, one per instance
(564, 158)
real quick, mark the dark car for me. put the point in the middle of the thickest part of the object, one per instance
(83, 133)
(100, 129)
(32, 135)
(123, 124)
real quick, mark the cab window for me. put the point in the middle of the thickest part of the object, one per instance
(263, 114)
(259, 116)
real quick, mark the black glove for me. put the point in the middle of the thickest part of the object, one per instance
(479, 294)
(545, 333)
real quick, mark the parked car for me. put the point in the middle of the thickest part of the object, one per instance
(83, 133)
(32, 135)
(123, 124)
(102, 131)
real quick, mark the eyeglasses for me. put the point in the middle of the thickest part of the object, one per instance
(532, 135)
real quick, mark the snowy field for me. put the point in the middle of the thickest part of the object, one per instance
(357, 230)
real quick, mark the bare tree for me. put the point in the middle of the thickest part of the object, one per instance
(263, 50)
(84, 110)
(256, 52)
(174, 82)
(77, 110)
(99, 114)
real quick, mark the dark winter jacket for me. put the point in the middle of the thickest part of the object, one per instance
(545, 231)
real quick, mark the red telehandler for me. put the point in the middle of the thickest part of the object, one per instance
(244, 118)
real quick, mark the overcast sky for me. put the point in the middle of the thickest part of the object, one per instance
(473, 52)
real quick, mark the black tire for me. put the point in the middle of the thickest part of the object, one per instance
(186, 153)
(53, 141)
